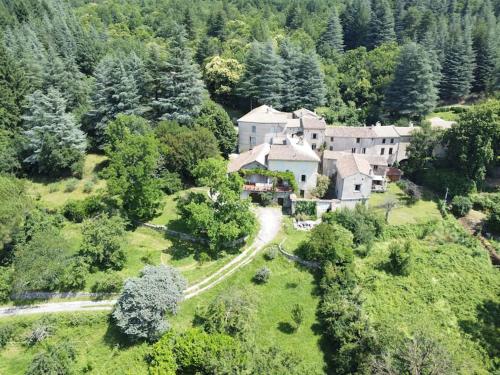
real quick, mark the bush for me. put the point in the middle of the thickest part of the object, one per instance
(88, 187)
(262, 275)
(78, 210)
(271, 252)
(305, 207)
(111, 283)
(297, 315)
(5, 283)
(440, 179)
(322, 185)
(203, 258)
(145, 301)
(460, 206)
(71, 185)
(53, 187)
(75, 275)
(400, 257)
(266, 199)
(493, 221)
(170, 182)
(40, 330)
(6, 333)
(55, 359)
(148, 259)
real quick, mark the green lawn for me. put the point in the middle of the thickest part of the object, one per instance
(53, 194)
(448, 116)
(423, 210)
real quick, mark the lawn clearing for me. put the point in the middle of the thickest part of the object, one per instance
(424, 210)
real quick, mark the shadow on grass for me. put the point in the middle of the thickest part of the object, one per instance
(181, 249)
(485, 329)
(99, 167)
(325, 346)
(114, 338)
(286, 328)
(291, 285)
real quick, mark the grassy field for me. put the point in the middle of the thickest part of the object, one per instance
(54, 193)
(423, 210)
(452, 293)
(448, 116)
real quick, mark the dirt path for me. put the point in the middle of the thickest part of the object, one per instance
(270, 223)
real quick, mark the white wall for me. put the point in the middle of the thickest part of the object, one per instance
(320, 137)
(345, 187)
(298, 168)
(373, 146)
(261, 130)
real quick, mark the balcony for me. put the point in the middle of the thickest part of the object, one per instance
(264, 187)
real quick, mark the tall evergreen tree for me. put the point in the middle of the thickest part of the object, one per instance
(381, 29)
(13, 88)
(115, 92)
(56, 145)
(332, 39)
(216, 25)
(458, 63)
(412, 92)
(485, 47)
(291, 57)
(355, 22)
(311, 82)
(182, 89)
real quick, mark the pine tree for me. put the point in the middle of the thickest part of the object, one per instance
(458, 63)
(216, 25)
(332, 39)
(412, 92)
(182, 89)
(355, 22)
(312, 90)
(381, 29)
(292, 58)
(188, 24)
(115, 92)
(484, 43)
(56, 145)
(13, 88)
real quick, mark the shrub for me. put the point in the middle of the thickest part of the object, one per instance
(440, 179)
(71, 185)
(5, 283)
(75, 275)
(305, 207)
(460, 206)
(144, 302)
(148, 258)
(266, 199)
(203, 258)
(271, 253)
(40, 330)
(322, 185)
(6, 333)
(262, 275)
(297, 315)
(400, 257)
(493, 220)
(88, 187)
(111, 283)
(53, 187)
(55, 359)
(170, 182)
(78, 210)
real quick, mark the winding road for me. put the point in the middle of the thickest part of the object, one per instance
(270, 223)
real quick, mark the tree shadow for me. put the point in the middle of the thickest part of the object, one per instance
(181, 249)
(114, 338)
(325, 346)
(286, 328)
(291, 285)
(99, 167)
(485, 330)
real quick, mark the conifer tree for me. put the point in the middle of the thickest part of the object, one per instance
(56, 145)
(355, 22)
(216, 24)
(458, 63)
(311, 82)
(332, 39)
(412, 92)
(182, 89)
(13, 88)
(484, 43)
(381, 29)
(115, 92)
(292, 58)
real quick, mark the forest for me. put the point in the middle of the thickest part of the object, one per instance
(117, 119)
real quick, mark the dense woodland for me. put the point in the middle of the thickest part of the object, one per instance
(151, 89)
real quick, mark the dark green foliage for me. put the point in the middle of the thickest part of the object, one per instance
(401, 257)
(171, 182)
(364, 224)
(421, 149)
(130, 175)
(5, 285)
(145, 301)
(230, 313)
(111, 283)
(413, 90)
(266, 199)
(78, 210)
(102, 242)
(14, 205)
(305, 208)
(262, 275)
(332, 39)
(440, 179)
(381, 28)
(297, 314)
(54, 359)
(460, 206)
(356, 21)
(213, 117)
(181, 148)
(493, 220)
(328, 242)
(182, 89)
(76, 274)
(56, 145)
(474, 143)
(484, 37)
(6, 333)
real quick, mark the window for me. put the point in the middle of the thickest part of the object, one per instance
(375, 167)
(364, 150)
(358, 140)
(353, 150)
(390, 151)
(303, 178)
(331, 139)
(313, 146)
(302, 193)
(314, 136)
(392, 140)
(252, 142)
(357, 187)
(254, 128)
(331, 148)
(383, 140)
(382, 151)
